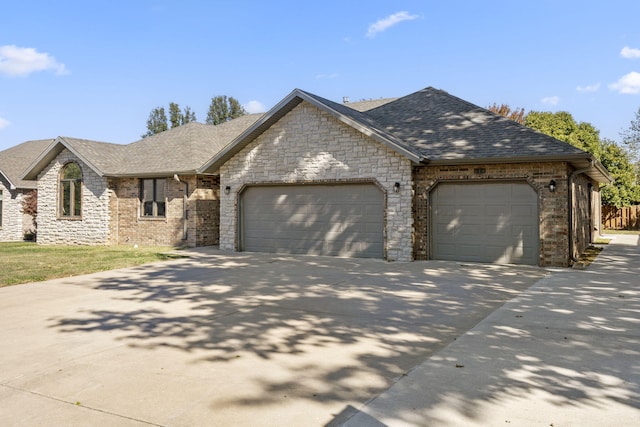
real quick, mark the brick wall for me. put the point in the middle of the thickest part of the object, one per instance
(552, 207)
(93, 227)
(309, 145)
(128, 227)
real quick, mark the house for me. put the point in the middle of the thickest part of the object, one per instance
(425, 176)
(14, 225)
(146, 192)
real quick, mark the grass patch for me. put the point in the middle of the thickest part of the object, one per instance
(588, 256)
(24, 262)
(602, 241)
(631, 232)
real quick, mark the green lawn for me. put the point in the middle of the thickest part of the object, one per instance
(28, 262)
(636, 232)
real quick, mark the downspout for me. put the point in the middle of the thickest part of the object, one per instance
(185, 212)
(570, 202)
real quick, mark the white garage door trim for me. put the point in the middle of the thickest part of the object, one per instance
(495, 221)
(331, 219)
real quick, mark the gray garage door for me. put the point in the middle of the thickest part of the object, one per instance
(485, 222)
(334, 220)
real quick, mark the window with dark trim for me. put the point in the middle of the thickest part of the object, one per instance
(70, 201)
(0, 208)
(152, 197)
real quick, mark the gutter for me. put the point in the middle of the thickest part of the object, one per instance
(570, 203)
(185, 212)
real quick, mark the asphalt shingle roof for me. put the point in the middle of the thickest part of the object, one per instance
(443, 127)
(426, 126)
(181, 149)
(14, 160)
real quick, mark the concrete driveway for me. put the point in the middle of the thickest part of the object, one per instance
(233, 339)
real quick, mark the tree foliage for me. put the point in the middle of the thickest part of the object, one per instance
(157, 122)
(179, 118)
(631, 137)
(618, 161)
(625, 190)
(223, 108)
(504, 110)
(30, 207)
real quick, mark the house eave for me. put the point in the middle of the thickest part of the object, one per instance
(12, 185)
(579, 161)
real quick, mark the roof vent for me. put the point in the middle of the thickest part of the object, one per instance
(345, 99)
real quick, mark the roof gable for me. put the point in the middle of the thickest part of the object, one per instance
(14, 161)
(101, 157)
(356, 119)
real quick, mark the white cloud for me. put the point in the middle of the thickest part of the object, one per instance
(627, 84)
(22, 61)
(550, 100)
(589, 88)
(391, 20)
(630, 53)
(254, 107)
(4, 123)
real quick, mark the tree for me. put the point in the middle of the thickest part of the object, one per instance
(631, 136)
(625, 190)
(223, 109)
(177, 117)
(516, 115)
(560, 125)
(585, 136)
(157, 122)
(30, 207)
(188, 116)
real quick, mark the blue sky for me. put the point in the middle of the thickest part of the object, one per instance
(95, 69)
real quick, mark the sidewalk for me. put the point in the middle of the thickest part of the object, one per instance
(564, 353)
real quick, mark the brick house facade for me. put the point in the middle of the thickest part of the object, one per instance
(318, 156)
(14, 224)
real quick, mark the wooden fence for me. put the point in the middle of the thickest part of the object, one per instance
(627, 218)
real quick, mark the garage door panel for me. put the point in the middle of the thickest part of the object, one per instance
(338, 220)
(485, 222)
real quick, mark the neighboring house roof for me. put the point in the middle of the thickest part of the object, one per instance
(14, 160)
(180, 150)
(432, 127)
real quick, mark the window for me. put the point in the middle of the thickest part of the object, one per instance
(70, 203)
(152, 197)
(0, 208)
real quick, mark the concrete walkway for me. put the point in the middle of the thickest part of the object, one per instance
(564, 353)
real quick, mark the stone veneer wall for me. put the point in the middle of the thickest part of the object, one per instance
(309, 145)
(93, 227)
(14, 222)
(128, 227)
(552, 207)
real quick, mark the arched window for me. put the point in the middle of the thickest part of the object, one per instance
(70, 203)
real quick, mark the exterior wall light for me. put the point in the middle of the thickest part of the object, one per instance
(227, 190)
(396, 187)
(552, 186)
